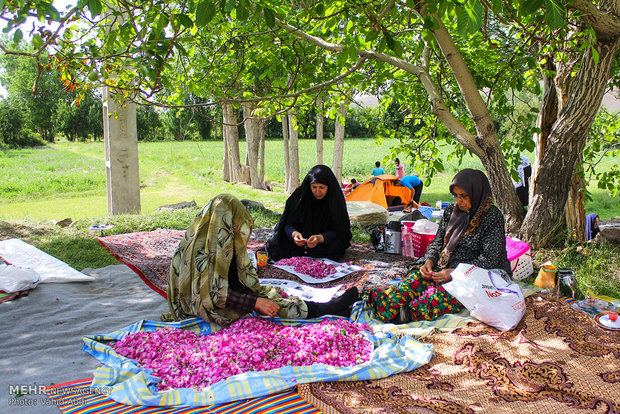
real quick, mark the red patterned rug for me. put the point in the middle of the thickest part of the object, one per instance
(149, 254)
(557, 360)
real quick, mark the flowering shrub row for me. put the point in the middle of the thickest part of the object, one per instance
(183, 359)
(315, 268)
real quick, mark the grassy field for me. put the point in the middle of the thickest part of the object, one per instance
(68, 180)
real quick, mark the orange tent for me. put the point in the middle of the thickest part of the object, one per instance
(384, 190)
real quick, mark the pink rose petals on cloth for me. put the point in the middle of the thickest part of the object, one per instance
(315, 268)
(183, 359)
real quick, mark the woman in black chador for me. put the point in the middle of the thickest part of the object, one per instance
(315, 221)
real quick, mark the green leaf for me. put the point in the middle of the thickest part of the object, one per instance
(555, 14)
(476, 15)
(37, 41)
(230, 5)
(529, 6)
(372, 35)
(185, 20)
(205, 11)
(94, 7)
(270, 17)
(319, 9)
(242, 11)
(389, 40)
(18, 36)
(595, 54)
(462, 21)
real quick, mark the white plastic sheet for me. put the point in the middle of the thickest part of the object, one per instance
(52, 270)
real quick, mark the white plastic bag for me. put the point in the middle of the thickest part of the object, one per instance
(14, 279)
(489, 297)
(424, 226)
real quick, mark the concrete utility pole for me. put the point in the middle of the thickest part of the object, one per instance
(121, 156)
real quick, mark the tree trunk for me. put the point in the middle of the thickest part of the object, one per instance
(252, 140)
(261, 152)
(293, 135)
(486, 144)
(339, 140)
(320, 120)
(226, 167)
(287, 161)
(575, 212)
(547, 116)
(231, 134)
(565, 144)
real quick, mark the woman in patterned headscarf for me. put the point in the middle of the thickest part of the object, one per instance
(212, 277)
(471, 231)
(315, 221)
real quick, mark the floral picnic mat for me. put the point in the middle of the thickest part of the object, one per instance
(149, 254)
(557, 360)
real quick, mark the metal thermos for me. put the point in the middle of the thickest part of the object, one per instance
(392, 237)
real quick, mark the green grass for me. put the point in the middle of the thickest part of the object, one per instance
(68, 180)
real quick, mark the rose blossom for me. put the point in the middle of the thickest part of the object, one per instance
(183, 359)
(308, 266)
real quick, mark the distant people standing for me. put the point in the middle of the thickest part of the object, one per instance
(523, 186)
(416, 185)
(400, 169)
(378, 170)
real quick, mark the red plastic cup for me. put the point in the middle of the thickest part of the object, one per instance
(613, 316)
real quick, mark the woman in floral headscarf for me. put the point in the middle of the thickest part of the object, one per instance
(471, 231)
(212, 277)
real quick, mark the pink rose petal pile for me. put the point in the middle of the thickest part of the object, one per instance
(315, 268)
(183, 359)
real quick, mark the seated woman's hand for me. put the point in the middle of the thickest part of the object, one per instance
(299, 239)
(427, 270)
(443, 276)
(314, 240)
(266, 307)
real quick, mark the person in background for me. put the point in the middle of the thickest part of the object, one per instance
(350, 187)
(315, 221)
(416, 185)
(592, 228)
(378, 170)
(400, 169)
(212, 276)
(471, 231)
(523, 186)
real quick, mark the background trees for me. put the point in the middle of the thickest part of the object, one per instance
(455, 69)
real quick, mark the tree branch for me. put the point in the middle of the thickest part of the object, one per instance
(606, 23)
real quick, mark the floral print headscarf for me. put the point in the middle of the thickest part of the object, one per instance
(198, 279)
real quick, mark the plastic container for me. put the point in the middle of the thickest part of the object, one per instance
(420, 243)
(406, 248)
(520, 257)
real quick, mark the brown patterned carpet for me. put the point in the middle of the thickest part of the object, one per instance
(556, 361)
